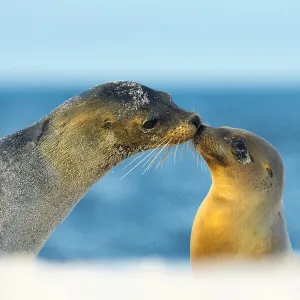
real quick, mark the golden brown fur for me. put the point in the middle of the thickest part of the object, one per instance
(242, 215)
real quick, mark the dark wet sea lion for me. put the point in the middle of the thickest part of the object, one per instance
(46, 168)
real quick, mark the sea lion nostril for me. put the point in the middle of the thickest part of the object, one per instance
(196, 121)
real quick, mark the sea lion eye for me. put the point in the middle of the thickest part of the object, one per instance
(239, 150)
(239, 145)
(150, 123)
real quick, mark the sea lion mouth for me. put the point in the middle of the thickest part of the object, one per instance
(208, 146)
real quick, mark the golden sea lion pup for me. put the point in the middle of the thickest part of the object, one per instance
(242, 215)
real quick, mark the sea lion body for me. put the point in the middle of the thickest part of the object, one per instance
(242, 215)
(47, 168)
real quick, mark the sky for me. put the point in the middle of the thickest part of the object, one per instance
(185, 40)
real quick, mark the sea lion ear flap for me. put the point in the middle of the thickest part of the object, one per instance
(268, 169)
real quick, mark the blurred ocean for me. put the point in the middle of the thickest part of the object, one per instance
(150, 215)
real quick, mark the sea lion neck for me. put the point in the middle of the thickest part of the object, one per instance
(78, 157)
(225, 185)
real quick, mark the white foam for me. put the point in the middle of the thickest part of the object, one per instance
(133, 89)
(148, 280)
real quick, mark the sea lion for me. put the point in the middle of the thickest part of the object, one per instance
(242, 216)
(46, 168)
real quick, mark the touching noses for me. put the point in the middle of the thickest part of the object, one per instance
(195, 120)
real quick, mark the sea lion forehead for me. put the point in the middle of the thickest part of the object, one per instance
(232, 132)
(126, 90)
(132, 93)
(132, 96)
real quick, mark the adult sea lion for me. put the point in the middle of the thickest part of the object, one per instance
(242, 215)
(46, 168)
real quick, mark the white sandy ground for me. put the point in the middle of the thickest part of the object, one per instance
(22, 279)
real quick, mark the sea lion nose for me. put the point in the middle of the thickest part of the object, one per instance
(195, 120)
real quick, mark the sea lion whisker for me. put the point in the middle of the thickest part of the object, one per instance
(147, 158)
(141, 161)
(151, 163)
(185, 147)
(192, 149)
(188, 145)
(175, 153)
(150, 158)
(169, 152)
(203, 163)
(136, 158)
(164, 157)
(141, 154)
(181, 150)
(155, 158)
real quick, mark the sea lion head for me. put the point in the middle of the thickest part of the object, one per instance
(136, 116)
(99, 128)
(240, 162)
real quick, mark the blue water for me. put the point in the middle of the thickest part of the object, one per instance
(151, 215)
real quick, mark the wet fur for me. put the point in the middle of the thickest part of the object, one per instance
(46, 168)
